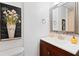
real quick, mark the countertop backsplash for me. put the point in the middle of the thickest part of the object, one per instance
(62, 36)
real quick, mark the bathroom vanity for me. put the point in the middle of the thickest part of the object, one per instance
(64, 26)
(56, 47)
(63, 38)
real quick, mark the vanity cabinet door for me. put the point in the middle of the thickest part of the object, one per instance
(44, 51)
(47, 49)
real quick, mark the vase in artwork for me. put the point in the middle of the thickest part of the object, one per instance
(11, 30)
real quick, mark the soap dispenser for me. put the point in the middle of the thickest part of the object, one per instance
(74, 39)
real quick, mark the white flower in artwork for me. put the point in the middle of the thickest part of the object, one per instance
(15, 15)
(13, 11)
(19, 21)
(8, 11)
(5, 12)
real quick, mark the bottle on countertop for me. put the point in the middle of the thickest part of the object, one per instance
(74, 40)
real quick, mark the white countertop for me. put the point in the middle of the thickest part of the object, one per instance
(64, 44)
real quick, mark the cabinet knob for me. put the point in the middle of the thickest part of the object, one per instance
(48, 53)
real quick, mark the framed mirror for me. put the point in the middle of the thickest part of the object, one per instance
(64, 18)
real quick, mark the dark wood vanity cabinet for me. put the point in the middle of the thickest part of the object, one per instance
(47, 49)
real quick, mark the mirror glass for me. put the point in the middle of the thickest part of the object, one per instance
(63, 17)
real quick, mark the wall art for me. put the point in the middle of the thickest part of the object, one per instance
(10, 21)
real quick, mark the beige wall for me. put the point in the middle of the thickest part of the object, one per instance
(71, 21)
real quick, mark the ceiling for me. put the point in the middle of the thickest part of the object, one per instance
(70, 5)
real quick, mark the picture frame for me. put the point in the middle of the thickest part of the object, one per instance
(10, 22)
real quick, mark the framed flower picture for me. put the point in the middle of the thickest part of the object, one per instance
(10, 22)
